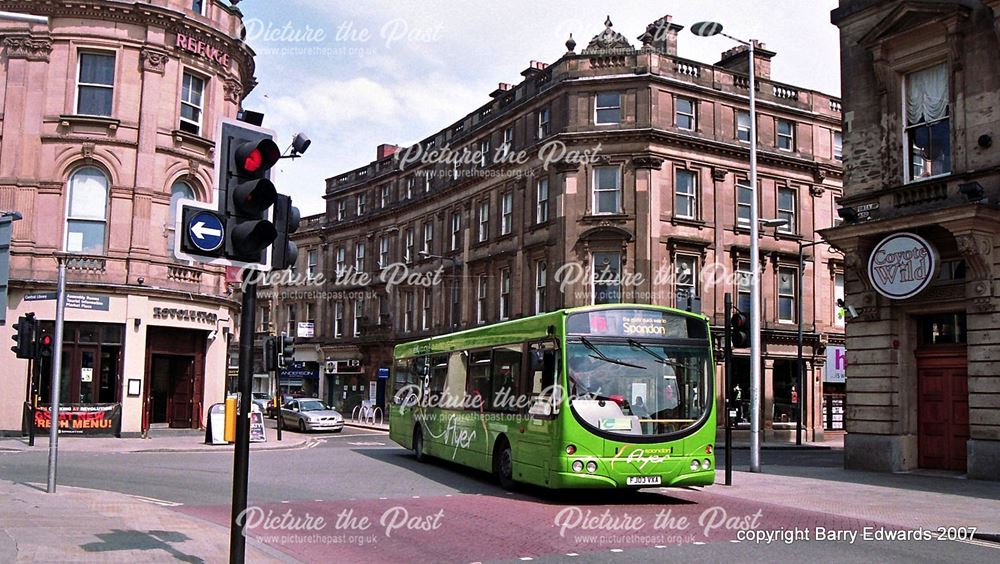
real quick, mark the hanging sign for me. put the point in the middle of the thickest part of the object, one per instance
(901, 266)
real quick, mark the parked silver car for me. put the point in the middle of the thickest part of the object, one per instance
(311, 415)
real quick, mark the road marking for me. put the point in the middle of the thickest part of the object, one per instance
(616, 550)
(370, 443)
(572, 554)
(383, 498)
(317, 500)
(284, 502)
(734, 541)
(526, 558)
(978, 542)
(698, 543)
(154, 501)
(660, 546)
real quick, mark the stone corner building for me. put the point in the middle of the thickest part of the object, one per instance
(109, 110)
(666, 193)
(921, 93)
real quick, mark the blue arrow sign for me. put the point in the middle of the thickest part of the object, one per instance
(206, 231)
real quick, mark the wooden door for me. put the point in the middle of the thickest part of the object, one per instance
(181, 401)
(943, 408)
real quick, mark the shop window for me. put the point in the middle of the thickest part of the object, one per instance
(941, 329)
(785, 392)
(86, 213)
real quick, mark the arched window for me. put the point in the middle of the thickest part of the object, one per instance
(86, 212)
(180, 190)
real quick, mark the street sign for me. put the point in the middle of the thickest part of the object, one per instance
(205, 230)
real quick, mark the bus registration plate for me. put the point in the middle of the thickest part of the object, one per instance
(643, 480)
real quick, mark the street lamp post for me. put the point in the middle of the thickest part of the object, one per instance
(708, 29)
(454, 284)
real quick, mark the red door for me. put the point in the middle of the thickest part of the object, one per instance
(943, 408)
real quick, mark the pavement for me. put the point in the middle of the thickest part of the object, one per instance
(159, 440)
(81, 525)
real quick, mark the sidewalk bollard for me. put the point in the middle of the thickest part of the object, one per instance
(230, 433)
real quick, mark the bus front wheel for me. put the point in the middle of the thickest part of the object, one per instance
(503, 463)
(418, 445)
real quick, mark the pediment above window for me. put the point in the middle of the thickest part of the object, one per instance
(911, 17)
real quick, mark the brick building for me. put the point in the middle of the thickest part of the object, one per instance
(645, 206)
(921, 109)
(108, 114)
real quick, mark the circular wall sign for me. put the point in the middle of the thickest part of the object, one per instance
(902, 265)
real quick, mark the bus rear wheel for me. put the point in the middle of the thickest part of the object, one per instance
(503, 464)
(418, 445)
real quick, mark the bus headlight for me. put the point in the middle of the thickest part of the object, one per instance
(706, 464)
(577, 466)
(591, 467)
(695, 465)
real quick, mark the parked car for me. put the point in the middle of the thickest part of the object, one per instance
(311, 415)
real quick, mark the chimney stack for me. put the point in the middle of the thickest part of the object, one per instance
(736, 60)
(385, 150)
(661, 36)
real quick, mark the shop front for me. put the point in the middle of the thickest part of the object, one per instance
(153, 362)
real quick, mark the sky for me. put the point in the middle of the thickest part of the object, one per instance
(355, 74)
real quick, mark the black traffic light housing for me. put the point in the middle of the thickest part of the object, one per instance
(44, 344)
(286, 350)
(287, 218)
(270, 354)
(741, 330)
(246, 192)
(24, 336)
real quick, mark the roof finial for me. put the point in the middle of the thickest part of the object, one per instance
(607, 22)
(570, 43)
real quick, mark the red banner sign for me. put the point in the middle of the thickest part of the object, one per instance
(100, 419)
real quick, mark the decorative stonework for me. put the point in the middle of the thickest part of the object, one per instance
(234, 91)
(87, 151)
(647, 161)
(719, 174)
(154, 61)
(608, 39)
(27, 47)
(854, 263)
(977, 249)
(816, 190)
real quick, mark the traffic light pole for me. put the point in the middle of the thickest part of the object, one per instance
(56, 372)
(728, 356)
(241, 460)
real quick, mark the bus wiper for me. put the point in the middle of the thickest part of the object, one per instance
(660, 359)
(601, 356)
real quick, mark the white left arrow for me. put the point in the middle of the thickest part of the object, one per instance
(200, 231)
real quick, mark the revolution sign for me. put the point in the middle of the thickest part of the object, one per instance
(901, 266)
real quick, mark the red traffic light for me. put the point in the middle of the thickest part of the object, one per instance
(253, 159)
(47, 340)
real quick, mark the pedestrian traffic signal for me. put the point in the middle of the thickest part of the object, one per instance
(24, 336)
(284, 252)
(45, 345)
(286, 352)
(741, 330)
(246, 192)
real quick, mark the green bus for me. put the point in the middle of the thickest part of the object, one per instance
(607, 396)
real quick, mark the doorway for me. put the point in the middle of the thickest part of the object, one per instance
(171, 390)
(942, 407)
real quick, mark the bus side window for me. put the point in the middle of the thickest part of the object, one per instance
(454, 389)
(506, 378)
(439, 373)
(478, 390)
(402, 382)
(542, 379)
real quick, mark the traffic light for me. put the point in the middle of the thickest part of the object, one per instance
(270, 354)
(286, 221)
(741, 330)
(24, 336)
(45, 341)
(286, 350)
(245, 191)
